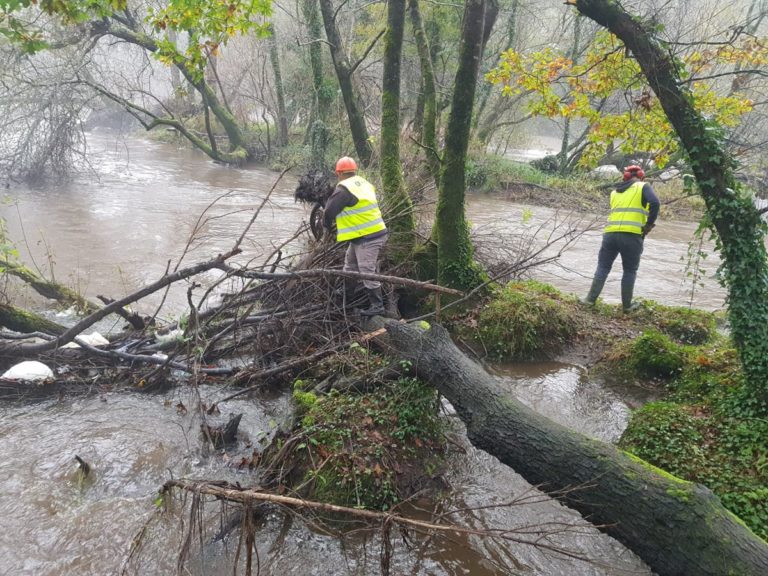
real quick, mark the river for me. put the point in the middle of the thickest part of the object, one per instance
(115, 228)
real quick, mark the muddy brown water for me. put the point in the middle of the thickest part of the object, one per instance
(113, 229)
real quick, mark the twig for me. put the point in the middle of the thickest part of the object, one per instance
(7, 349)
(323, 272)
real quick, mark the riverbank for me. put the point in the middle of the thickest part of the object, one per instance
(695, 429)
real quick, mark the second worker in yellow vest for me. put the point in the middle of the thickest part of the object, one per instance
(634, 208)
(354, 209)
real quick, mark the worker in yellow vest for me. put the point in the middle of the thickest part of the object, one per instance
(355, 211)
(634, 209)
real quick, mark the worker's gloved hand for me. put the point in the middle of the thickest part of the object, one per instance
(647, 228)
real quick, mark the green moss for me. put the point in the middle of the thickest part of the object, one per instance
(709, 445)
(359, 449)
(682, 495)
(304, 400)
(524, 320)
(655, 469)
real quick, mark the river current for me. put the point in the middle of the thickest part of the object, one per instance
(116, 227)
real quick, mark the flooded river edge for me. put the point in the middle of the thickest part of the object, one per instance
(112, 235)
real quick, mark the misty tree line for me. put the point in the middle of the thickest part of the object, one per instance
(289, 78)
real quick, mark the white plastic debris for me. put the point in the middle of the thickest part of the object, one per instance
(607, 171)
(29, 370)
(94, 339)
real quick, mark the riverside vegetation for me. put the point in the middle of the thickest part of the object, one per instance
(695, 430)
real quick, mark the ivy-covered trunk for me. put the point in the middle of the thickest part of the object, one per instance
(429, 124)
(398, 204)
(740, 231)
(344, 72)
(455, 264)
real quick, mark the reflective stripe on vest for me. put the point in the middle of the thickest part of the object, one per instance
(364, 217)
(628, 214)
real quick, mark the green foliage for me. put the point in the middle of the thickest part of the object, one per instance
(725, 453)
(304, 400)
(686, 325)
(666, 435)
(525, 319)
(653, 354)
(209, 24)
(710, 375)
(605, 71)
(365, 442)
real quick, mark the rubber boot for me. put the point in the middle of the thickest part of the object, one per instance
(376, 300)
(350, 290)
(594, 291)
(627, 289)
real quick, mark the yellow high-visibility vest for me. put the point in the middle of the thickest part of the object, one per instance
(364, 217)
(628, 214)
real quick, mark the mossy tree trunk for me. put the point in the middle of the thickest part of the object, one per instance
(282, 115)
(48, 288)
(344, 72)
(677, 527)
(429, 94)
(399, 208)
(323, 90)
(456, 267)
(26, 322)
(740, 230)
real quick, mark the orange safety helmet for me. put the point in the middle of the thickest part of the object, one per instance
(346, 164)
(633, 171)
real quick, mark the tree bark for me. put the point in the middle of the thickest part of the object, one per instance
(323, 92)
(429, 124)
(739, 227)
(565, 142)
(677, 527)
(399, 207)
(344, 72)
(485, 87)
(282, 116)
(454, 247)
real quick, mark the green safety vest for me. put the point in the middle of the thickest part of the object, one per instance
(628, 214)
(363, 218)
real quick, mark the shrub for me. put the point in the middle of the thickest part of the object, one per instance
(524, 319)
(549, 164)
(686, 325)
(653, 354)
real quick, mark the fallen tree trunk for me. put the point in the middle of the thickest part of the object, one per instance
(47, 288)
(677, 527)
(20, 320)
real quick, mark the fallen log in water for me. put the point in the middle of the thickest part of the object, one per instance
(677, 527)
